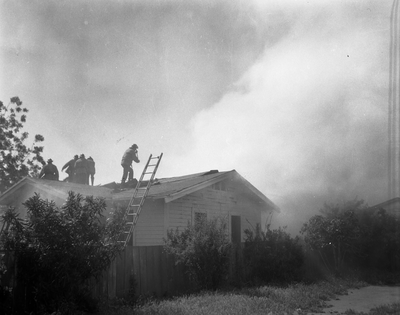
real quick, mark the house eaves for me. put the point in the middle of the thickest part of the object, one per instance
(170, 189)
(386, 203)
(258, 193)
(194, 188)
(226, 175)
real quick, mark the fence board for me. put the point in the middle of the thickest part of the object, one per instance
(143, 269)
(136, 269)
(157, 271)
(111, 285)
(120, 273)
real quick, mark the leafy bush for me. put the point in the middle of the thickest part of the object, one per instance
(57, 250)
(204, 248)
(379, 242)
(333, 233)
(351, 235)
(272, 256)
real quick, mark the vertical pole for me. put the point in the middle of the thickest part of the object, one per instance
(394, 106)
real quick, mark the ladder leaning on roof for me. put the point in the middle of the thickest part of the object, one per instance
(139, 195)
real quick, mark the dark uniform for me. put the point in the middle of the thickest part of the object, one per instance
(81, 170)
(70, 169)
(49, 171)
(91, 169)
(130, 155)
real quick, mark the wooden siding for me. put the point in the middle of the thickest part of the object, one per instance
(157, 217)
(216, 203)
(150, 227)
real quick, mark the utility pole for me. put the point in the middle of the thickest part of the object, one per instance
(394, 104)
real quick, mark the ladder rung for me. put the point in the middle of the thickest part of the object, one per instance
(129, 223)
(132, 213)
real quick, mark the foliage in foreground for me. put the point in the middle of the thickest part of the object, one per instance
(378, 246)
(204, 248)
(294, 299)
(16, 159)
(57, 251)
(272, 256)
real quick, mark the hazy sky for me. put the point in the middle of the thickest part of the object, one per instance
(291, 94)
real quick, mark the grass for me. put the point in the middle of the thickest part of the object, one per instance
(295, 299)
(393, 309)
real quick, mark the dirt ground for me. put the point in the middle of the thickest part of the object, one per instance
(364, 299)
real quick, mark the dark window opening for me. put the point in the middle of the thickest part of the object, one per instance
(236, 236)
(219, 186)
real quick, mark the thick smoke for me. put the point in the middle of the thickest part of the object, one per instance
(307, 123)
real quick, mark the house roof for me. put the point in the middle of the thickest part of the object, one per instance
(168, 189)
(173, 188)
(386, 203)
(55, 188)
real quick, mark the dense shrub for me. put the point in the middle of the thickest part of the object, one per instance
(351, 235)
(272, 256)
(57, 250)
(378, 247)
(204, 248)
(334, 232)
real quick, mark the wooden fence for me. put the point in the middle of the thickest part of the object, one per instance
(149, 271)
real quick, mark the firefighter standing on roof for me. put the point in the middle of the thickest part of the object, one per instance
(81, 170)
(91, 169)
(70, 169)
(130, 155)
(49, 171)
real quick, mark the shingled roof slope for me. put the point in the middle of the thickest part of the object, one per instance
(58, 188)
(173, 188)
(164, 187)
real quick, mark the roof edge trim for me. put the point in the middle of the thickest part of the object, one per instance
(194, 188)
(259, 194)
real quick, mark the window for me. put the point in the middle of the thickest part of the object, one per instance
(199, 217)
(236, 236)
(219, 186)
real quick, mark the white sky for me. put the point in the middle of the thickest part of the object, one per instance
(291, 94)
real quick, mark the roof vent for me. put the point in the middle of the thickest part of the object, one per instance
(210, 172)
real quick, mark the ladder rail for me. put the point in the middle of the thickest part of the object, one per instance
(134, 208)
